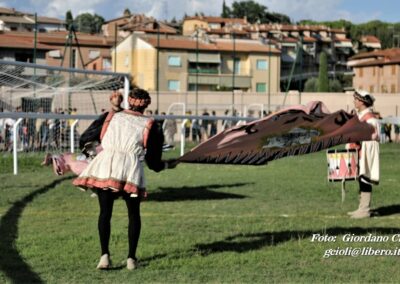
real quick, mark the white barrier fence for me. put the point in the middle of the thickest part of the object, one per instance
(65, 138)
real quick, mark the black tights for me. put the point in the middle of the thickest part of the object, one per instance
(364, 187)
(106, 202)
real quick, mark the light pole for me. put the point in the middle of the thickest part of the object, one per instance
(197, 71)
(269, 76)
(158, 68)
(233, 73)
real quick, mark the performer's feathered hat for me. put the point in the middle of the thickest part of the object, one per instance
(365, 97)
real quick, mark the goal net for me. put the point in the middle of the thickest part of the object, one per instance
(36, 88)
(58, 97)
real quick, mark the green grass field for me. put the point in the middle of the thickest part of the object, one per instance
(201, 223)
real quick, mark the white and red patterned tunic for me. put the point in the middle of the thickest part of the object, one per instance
(119, 166)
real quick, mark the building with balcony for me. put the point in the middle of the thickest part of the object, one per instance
(52, 49)
(185, 63)
(13, 20)
(128, 24)
(299, 44)
(377, 71)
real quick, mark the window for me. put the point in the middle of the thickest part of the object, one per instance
(173, 85)
(393, 88)
(192, 87)
(262, 64)
(106, 64)
(174, 61)
(393, 69)
(261, 87)
(237, 66)
(373, 71)
(361, 72)
(371, 89)
(94, 54)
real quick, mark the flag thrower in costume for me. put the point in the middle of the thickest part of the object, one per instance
(292, 131)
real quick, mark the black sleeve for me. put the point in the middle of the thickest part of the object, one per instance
(92, 133)
(155, 142)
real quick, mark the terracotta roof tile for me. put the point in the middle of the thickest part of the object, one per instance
(309, 39)
(227, 31)
(370, 39)
(290, 39)
(179, 44)
(218, 20)
(189, 44)
(245, 47)
(49, 20)
(378, 57)
(4, 10)
(12, 41)
(15, 19)
(50, 39)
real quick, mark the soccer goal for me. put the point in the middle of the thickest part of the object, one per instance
(44, 108)
(30, 87)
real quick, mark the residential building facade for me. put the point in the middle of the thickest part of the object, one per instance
(12, 20)
(186, 64)
(377, 71)
(313, 40)
(53, 48)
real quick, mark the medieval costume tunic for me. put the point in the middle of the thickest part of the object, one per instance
(369, 152)
(127, 138)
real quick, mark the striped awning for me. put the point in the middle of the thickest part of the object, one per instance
(204, 58)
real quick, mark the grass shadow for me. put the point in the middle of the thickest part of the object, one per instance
(143, 262)
(11, 262)
(248, 242)
(386, 211)
(166, 194)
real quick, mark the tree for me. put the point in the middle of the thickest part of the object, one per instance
(226, 12)
(127, 12)
(311, 85)
(323, 81)
(89, 23)
(253, 11)
(277, 18)
(69, 19)
(335, 86)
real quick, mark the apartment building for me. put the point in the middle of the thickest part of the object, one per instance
(52, 49)
(186, 62)
(13, 20)
(287, 38)
(377, 71)
(127, 24)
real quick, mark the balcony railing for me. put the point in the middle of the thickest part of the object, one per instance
(221, 80)
(203, 71)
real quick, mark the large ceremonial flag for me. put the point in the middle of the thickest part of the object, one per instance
(292, 131)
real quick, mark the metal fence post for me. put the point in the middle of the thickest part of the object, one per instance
(15, 138)
(183, 138)
(72, 135)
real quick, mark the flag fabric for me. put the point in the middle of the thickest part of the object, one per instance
(292, 131)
